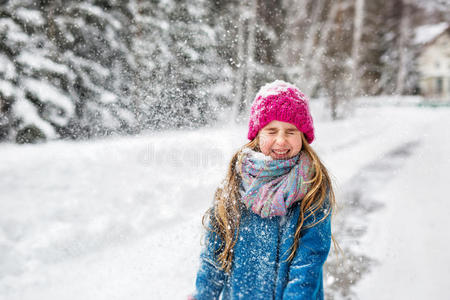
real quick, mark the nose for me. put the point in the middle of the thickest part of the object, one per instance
(280, 139)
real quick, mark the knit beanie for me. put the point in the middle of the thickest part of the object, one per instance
(284, 102)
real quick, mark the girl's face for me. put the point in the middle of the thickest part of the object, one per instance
(280, 140)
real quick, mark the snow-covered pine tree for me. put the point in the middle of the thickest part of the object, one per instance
(249, 38)
(306, 31)
(33, 100)
(229, 19)
(196, 72)
(182, 80)
(63, 69)
(93, 39)
(152, 54)
(268, 28)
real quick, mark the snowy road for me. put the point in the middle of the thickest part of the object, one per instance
(120, 219)
(410, 237)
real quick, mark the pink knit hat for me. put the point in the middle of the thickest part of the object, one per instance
(284, 102)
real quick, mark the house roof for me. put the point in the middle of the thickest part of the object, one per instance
(427, 33)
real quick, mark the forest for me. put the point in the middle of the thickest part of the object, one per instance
(85, 69)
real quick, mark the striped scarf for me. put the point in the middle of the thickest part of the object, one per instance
(269, 187)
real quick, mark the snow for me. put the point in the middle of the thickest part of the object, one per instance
(427, 33)
(120, 218)
(31, 16)
(13, 31)
(81, 63)
(108, 98)
(98, 12)
(28, 113)
(48, 93)
(256, 155)
(410, 237)
(274, 88)
(38, 62)
(61, 22)
(6, 88)
(7, 67)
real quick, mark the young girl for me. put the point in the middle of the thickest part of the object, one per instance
(268, 232)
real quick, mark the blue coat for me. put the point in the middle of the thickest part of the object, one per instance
(260, 269)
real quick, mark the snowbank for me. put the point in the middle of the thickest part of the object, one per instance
(121, 218)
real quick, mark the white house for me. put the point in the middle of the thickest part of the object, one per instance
(433, 61)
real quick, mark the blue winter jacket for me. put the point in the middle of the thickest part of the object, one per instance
(260, 269)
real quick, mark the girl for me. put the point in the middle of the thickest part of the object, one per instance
(269, 233)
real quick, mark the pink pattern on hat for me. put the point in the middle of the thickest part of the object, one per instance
(284, 102)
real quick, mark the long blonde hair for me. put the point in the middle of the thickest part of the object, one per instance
(225, 214)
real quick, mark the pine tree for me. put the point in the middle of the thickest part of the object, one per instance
(182, 77)
(250, 37)
(152, 53)
(196, 70)
(34, 101)
(93, 39)
(64, 67)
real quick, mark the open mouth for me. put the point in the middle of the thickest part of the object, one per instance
(281, 153)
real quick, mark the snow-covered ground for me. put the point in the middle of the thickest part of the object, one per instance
(121, 218)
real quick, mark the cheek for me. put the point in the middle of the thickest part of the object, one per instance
(296, 145)
(265, 143)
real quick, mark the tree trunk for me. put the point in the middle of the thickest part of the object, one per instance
(311, 36)
(295, 14)
(358, 25)
(403, 47)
